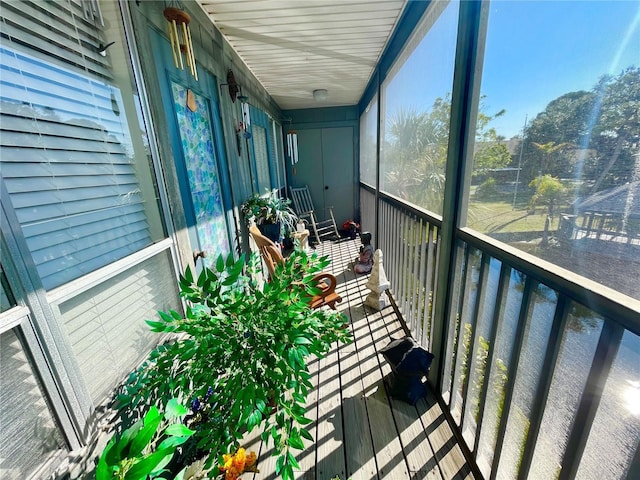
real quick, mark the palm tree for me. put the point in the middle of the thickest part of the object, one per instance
(549, 192)
(415, 154)
(548, 149)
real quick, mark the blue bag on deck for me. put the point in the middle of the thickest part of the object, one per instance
(410, 363)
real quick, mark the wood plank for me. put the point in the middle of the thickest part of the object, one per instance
(390, 454)
(358, 442)
(329, 433)
(388, 448)
(266, 463)
(361, 433)
(252, 443)
(307, 457)
(419, 455)
(361, 461)
(330, 459)
(450, 459)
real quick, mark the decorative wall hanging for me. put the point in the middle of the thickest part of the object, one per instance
(180, 39)
(191, 101)
(102, 48)
(245, 123)
(234, 88)
(292, 146)
(246, 118)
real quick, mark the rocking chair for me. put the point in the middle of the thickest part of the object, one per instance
(272, 257)
(303, 206)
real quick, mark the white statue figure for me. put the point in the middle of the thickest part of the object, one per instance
(377, 283)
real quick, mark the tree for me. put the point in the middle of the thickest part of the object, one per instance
(565, 119)
(617, 131)
(564, 122)
(599, 130)
(415, 152)
(549, 191)
(548, 150)
(490, 152)
(491, 156)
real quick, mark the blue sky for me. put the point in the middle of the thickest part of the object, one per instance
(535, 52)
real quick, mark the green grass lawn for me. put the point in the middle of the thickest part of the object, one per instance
(500, 217)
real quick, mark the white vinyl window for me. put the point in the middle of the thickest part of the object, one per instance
(72, 156)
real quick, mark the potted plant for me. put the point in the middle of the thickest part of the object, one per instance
(143, 450)
(239, 359)
(272, 214)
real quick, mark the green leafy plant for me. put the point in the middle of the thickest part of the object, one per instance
(241, 357)
(270, 208)
(549, 191)
(487, 189)
(144, 449)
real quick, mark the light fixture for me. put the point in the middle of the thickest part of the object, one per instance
(320, 94)
(292, 146)
(180, 38)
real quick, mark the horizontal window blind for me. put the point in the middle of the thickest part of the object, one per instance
(67, 163)
(262, 149)
(58, 30)
(29, 435)
(106, 327)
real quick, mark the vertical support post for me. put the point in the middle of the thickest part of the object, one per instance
(423, 284)
(376, 230)
(496, 326)
(542, 392)
(606, 351)
(456, 311)
(472, 361)
(526, 309)
(465, 97)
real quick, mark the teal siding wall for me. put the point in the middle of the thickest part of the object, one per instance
(215, 56)
(328, 139)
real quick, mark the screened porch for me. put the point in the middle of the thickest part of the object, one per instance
(489, 147)
(359, 430)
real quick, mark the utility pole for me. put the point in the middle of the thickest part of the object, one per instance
(515, 192)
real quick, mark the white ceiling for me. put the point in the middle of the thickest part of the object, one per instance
(296, 46)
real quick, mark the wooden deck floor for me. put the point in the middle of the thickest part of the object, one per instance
(360, 432)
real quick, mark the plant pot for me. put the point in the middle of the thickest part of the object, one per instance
(287, 243)
(271, 231)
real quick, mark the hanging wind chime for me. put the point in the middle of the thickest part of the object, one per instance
(292, 146)
(180, 38)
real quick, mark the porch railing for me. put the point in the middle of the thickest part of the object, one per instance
(540, 367)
